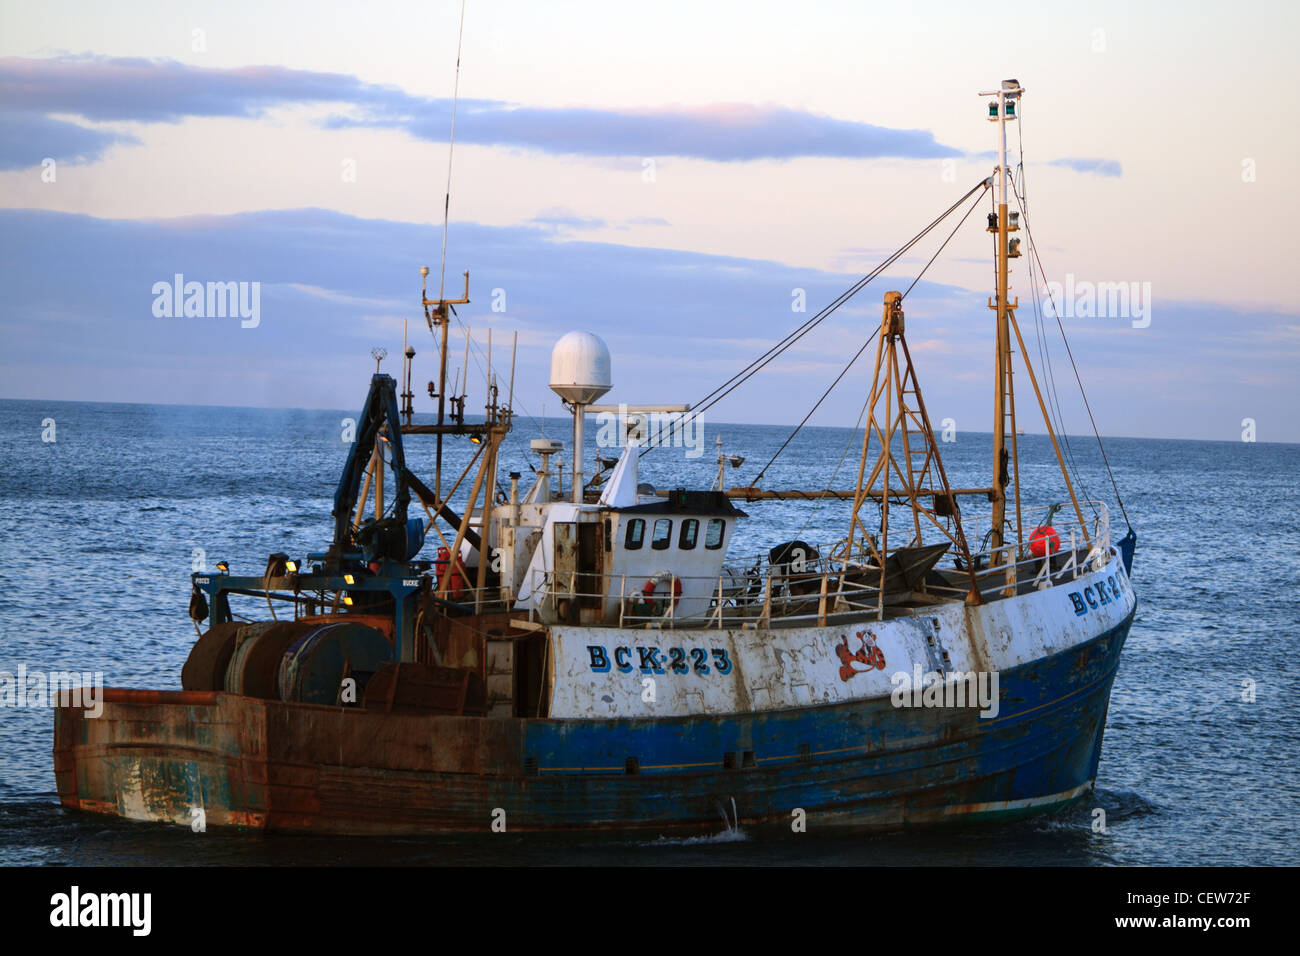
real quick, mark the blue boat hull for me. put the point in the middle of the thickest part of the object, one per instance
(157, 755)
(868, 764)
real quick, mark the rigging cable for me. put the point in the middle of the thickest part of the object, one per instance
(869, 340)
(727, 387)
(790, 438)
(1056, 414)
(1044, 352)
(830, 483)
(937, 252)
(780, 347)
(1033, 248)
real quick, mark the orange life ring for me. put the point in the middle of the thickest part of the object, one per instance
(648, 591)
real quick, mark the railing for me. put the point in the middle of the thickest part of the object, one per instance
(477, 599)
(976, 527)
(812, 589)
(726, 600)
(1002, 571)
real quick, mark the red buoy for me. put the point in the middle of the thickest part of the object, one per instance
(1044, 541)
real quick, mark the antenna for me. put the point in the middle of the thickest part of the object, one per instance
(514, 351)
(438, 315)
(464, 365)
(408, 352)
(735, 461)
(451, 147)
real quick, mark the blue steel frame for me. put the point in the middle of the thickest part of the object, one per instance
(402, 587)
(398, 580)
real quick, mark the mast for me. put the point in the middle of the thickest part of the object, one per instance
(435, 313)
(895, 408)
(1006, 464)
(1006, 460)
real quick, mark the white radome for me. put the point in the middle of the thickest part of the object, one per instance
(580, 368)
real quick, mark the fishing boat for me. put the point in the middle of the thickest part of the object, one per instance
(612, 656)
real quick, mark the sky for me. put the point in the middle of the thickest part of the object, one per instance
(674, 177)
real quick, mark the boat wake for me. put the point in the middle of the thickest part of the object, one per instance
(1125, 804)
(1116, 804)
(734, 835)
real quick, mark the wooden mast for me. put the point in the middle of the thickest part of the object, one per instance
(1006, 461)
(1006, 465)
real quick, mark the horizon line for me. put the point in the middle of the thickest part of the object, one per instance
(561, 418)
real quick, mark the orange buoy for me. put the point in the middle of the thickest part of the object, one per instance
(1044, 541)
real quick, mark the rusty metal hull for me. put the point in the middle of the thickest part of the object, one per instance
(245, 762)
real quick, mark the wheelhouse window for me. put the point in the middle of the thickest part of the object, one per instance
(690, 531)
(714, 534)
(663, 534)
(635, 534)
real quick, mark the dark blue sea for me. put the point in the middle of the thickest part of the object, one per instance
(102, 525)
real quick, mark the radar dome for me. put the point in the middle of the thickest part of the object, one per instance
(580, 368)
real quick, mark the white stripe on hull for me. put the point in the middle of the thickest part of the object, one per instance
(602, 672)
(999, 806)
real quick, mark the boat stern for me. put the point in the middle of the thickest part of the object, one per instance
(182, 757)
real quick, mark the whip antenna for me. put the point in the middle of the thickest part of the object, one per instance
(446, 204)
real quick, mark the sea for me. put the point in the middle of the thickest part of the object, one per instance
(107, 508)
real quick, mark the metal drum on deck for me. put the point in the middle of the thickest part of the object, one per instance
(255, 665)
(205, 668)
(313, 668)
(243, 639)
